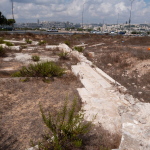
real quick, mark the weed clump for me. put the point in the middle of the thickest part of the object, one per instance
(35, 58)
(63, 55)
(5, 42)
(67, 43)
(45, 69)
(28, 41)
(79, 49)
(2, 52)
(66, 130)
(8, 43)
(42, 42)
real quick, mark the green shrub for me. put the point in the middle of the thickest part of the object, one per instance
(17, 74)
(45, 69)
(23, 46)
(2, 52)
(28, 41)
(42, 42)
(5, 42)
(79, 49)
(1, 41)
(8, 43)
(63, 55)
(67, 43)
(35, 58)
(25, 80)
(65, 130)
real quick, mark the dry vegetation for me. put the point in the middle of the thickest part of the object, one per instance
(126, 59)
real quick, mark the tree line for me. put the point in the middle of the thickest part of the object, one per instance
(5, 21)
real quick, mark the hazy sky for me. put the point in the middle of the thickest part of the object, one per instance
(94, 11)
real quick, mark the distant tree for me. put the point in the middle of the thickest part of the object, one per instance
(10, 21)
(3, 19)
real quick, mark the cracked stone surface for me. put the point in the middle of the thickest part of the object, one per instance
(136, 128)
(100, 99)
(117, 111)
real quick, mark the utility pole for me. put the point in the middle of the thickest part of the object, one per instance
(117, 22)
(130, 14)
(82, 16)
(12, 12)
(103, 26)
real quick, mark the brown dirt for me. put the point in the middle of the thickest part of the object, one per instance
(19, 110)
(20, 118)
(127, 60)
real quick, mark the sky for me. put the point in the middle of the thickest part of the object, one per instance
(91, 11)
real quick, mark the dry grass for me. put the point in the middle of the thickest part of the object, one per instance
(120, 60)
(20, 115)
(100, 139)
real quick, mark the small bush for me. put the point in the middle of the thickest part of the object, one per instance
(25, 80)
(67, 43)
(35, 58)
(8, 43)
(5, 42)
(1, 41)
(23, 46)
(142, 55)
(63, 55)
(42, 42)
(65, 130)
(28, 41)
(2, 52)
(79, 49)
(45, 69)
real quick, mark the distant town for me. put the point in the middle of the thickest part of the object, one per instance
(94, 28)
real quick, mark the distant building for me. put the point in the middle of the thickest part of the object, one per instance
(27, 25)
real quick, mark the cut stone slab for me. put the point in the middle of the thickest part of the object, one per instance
(64, 48)
(107, 77)
(8, 59)
(97, 44)
(15, 47)
(136, 128)
(61, 47)
(100, 101)
(80, 57)
(13, 41)
(35, 43)
(30, 48)
(22, 57)
(51, 46)
(4, 45)
(86, 72)
(45, 58)
(81, 45)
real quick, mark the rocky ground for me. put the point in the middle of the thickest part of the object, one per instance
(125, 59)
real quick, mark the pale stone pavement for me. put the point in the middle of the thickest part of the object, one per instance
(106, 102)
(101, 100)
